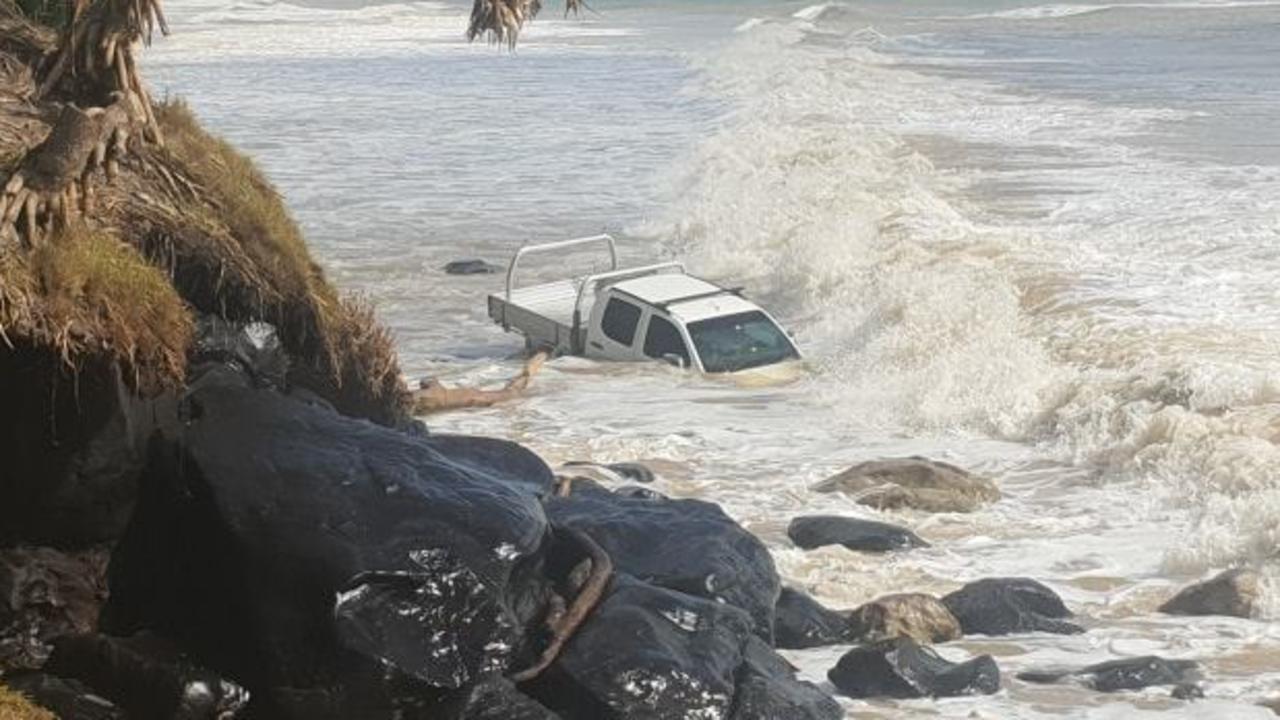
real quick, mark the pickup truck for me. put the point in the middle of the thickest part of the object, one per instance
(655, 312)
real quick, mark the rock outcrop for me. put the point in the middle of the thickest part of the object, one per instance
(816, 531)
(913, 482)
(902, 668)
(1233, 593)
(1002, 606)
(802, 622)
(1126, 674)
(46, 593)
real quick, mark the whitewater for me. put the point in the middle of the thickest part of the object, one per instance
(1035, 240)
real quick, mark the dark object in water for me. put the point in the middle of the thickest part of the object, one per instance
(1002, 606)
(1126, 674)
(854, 533)
(687, 545)
(1232, 593)
(632, 471)
(901, 668)
(801, 622)
(471, 267)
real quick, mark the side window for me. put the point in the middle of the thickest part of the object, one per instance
(662, 339)
(620, 321)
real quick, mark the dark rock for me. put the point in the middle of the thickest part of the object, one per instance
(656, 654)
(686, 545)
(293, 548)
(1187, 691)
(499, 459)
(68, 699)
(253, 348)
(626, 471)
(1001, 606)
(146, 676)
(45, 593)
(768, 690)
(1231, 593)
(854, 533)
(471, 267)
(1126, 674)
(74, 445)
(802, 622)
(647, 652)
(901, 668)
(495, 698)
(922, 618)
(913, 482)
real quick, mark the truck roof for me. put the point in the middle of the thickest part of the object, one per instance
(685, 296)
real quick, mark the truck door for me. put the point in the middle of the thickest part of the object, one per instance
(663, 341)
(617, 335)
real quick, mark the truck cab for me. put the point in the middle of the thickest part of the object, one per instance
(685, 321)
(650, 312)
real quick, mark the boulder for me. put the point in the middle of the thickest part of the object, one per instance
(67, 699)
(854, 533)
(300, 551)
(45, 593)
(802, 622)
(1001, 606)
(901, 668)
(687, 545)
(496, 698)
(471, 267)
(1233, 592)
(913, 482)
(651, 653)
(147, 677)
(1126, 674)
(768, 690)
(921, 617)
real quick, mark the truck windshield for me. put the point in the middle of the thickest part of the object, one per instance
(738, 342)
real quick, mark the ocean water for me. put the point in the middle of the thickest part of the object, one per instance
(1036, 240)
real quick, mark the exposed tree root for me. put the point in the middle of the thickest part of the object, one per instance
(563, 623)
(432, 397)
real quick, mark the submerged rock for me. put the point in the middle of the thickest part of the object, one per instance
(1233, 593)
(686, 545)
(913, 482)
(471, 267)
(45, 593)
(1001, 606)
(921, 617)
(1127, 674)
(853, 533)
(802, 622)
(147, 677)
(901, 668)
(299, 551)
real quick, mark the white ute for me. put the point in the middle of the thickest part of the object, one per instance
(653, 311)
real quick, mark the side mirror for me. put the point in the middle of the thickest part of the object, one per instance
(674, 359)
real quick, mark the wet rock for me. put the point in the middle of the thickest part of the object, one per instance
(913, 482)
(253, 348)
(768, 690)
(1272, 704)
(293, 548)
(496, 698)
(146, 676)
(471, 267)
(68, 699)
(1231, 593)
(1187, 691)
(854, 533)
(686, 545)
(501, 460)
(656, 654)
(921, 617)
(1001, 606)
(623, 471)
(901, 668)
(1126, 674)
(45, 593)
(802, 622)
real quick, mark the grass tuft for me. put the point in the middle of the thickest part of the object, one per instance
(16, 707)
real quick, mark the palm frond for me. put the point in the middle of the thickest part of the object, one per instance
(502, 20)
